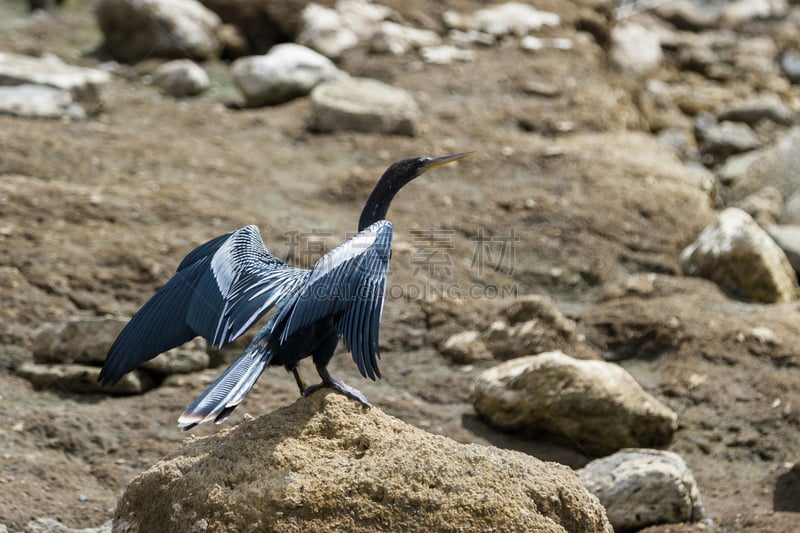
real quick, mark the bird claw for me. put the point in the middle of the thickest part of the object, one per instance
(341, 388)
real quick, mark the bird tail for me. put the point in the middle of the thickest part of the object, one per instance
(228, 391)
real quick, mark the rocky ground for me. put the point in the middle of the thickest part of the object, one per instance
(591, 177)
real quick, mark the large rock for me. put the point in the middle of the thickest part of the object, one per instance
(138, 29)
(736, 254)
(286, 72)
(360, 104)
(80, 340)
(643, 487)
(595, 404)
(83, 84)
(327, 464)
(82, 379)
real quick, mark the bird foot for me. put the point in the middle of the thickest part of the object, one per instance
(341, 388)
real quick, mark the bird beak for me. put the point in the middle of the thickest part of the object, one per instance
(441, 161)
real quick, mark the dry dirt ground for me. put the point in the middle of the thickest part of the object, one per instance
(95, 215)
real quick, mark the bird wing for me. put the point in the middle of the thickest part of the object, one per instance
(350, 280)
(220, 289)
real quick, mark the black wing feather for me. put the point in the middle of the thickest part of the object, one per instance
(209, 295)
(348, 281)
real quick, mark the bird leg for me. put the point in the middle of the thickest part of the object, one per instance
(339, 386)
(300, 383)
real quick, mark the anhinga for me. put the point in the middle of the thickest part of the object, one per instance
(224, 286)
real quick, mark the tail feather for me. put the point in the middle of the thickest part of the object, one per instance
(228, 391)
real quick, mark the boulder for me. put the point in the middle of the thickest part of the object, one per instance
(360, 104)
(181, 77)
(640, 487)
(82, 379)
(285, 72)
(139, 29)
(80, 340)
(736, 254)
(594, 404)
(327, 464)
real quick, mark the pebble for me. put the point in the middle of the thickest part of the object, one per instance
(361, 104)
(182, 77)
(287, 71)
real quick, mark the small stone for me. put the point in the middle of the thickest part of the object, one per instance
(471, 37)
(790, 65)
(83, 84)
(397, 39)
(641, 487)
(82, 379)
(635, 50)
(38, 101)
(740, 12)
(791, 214)
(80, 340)
(182, 77)
(787, 237)
(445, 54)
(360, 104)
(531, 43)
(765, 107)
(287, 71)
(465, 348)
(323, 30)
(740, 257)
(765, 205)
(724, 139)
(512, 18)
(191, 357)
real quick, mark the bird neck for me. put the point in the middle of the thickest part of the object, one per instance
(378, 202)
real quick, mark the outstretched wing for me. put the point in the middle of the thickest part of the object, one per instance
(350, 280)
(220, 289)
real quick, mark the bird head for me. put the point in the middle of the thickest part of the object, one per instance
(414, 167)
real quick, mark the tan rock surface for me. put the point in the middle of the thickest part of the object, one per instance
(327, 464)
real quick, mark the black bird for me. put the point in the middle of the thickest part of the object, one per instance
(224, 286)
